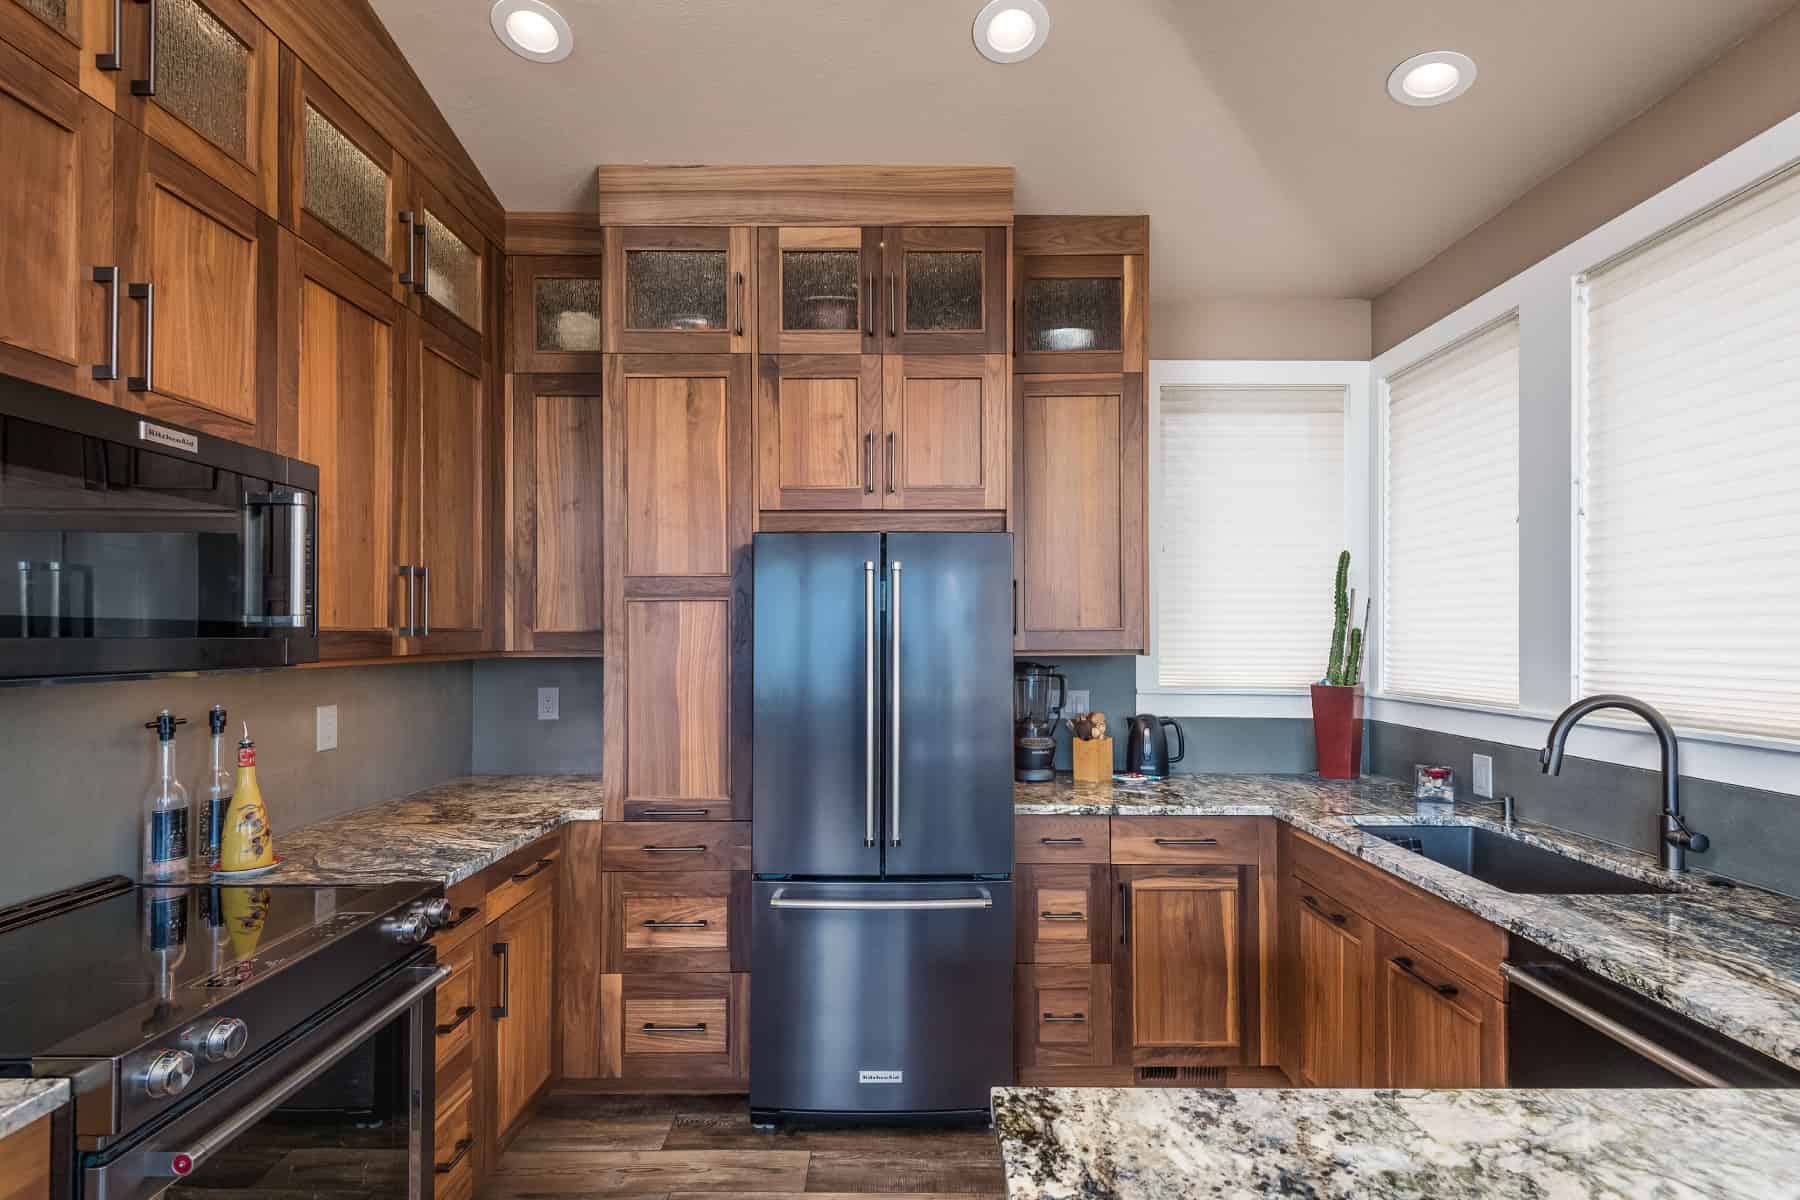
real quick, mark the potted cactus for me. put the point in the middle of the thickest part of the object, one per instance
(1337, 699)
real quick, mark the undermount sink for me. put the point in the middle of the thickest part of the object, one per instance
(1509, 864)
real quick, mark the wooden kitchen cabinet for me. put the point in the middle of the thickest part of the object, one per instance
(945, 421)
(25, 1162)
(684, 1032)
(521, 945)
(945, 290)
(1063, 914)
(1063, 1017)
(554, 465)
(57, 322)
(678, 290)
(448, 266)
(1433, 1028)
(553, 305)
(818, 290)
(672, 921)
(819, 440)
(1184, 975)
(1082, 285)
(1328, 995)
(1079, 496)
(63, 36)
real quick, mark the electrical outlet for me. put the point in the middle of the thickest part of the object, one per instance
(1481, 778)
(325, 726)
(1078, 702)
(549, 704)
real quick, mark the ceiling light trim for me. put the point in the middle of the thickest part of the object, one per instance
(1463, 65)
(565, 37)
(1034, 9)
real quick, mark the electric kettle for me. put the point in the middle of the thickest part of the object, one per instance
(1147, 748)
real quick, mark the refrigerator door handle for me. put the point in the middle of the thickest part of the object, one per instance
(779, 899)
(894, 736)
(870, 742)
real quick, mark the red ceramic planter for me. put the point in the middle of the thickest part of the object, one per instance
(1338, 730)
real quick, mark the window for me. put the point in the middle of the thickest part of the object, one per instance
(1690, 530)
(1251, 521)
(1450, 612)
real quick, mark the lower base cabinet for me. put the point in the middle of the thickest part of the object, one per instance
(1433, 1028)
(25, 1162)
(1183, 974)
(522, 948)
(1327, 989)
(1063, 1017)
(683, 1033)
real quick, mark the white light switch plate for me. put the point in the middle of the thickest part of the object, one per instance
(1481, 777)
(1078, 702)
(325, 726)
(549, 704)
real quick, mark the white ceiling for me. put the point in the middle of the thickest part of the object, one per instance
(1257, 134)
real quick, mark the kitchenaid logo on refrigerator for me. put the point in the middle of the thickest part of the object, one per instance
(174, 439)
(881, 1076)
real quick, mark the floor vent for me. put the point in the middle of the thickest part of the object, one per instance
(1183, 1076)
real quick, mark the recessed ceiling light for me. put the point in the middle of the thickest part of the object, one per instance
(1434, 77)
(532, 29)
(1009, 31)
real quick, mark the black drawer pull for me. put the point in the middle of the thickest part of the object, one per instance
(652, 1028)
(536, 868)
(464, 915)
(675, 924)
(667, 814)
(1071, 1019)
(463, 1013)
(463, 1146)
(1166, 841)
(1442, 989)
(1058, 916)
(1062, 841)
(674, 849)
(1312, 902)
(503, 952)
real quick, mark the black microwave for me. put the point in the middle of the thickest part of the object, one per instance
(132, 546)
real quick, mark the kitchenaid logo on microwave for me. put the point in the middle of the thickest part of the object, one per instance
(881, 1076)
(174, 439)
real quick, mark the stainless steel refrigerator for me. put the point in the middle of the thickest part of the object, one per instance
(882, 905)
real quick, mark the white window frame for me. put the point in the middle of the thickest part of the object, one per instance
(1547, 298)
(1353, 378)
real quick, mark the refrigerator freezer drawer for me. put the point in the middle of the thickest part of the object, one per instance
(880, 998)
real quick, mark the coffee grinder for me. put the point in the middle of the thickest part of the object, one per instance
(1039, 691)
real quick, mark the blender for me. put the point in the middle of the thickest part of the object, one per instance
(1039, 691)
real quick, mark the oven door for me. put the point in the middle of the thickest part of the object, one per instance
(343, 1106)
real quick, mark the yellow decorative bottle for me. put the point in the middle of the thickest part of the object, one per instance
(248, 845)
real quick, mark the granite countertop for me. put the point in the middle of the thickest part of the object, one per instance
(443, 834)
(1727, 956)
(1326, 1144)
(23, 1101)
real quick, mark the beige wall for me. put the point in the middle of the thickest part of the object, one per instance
(1754, 86)
(1261, 329)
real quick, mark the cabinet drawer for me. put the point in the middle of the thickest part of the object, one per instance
(676, 1032)
(660, 921)
(467, 915)
(1060, 839)
(1064, 1016)
(665, 1026)
(1204, 840)
(453, 1143)
(524, 874)
(458, 1004)
(676, 846)
(1064, 914)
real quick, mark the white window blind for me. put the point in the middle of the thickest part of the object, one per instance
(1252, 521)
(1690, 572)
(1450, 628)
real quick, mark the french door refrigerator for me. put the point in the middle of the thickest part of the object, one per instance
(882, 903)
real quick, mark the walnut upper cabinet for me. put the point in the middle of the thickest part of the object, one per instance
(944, 290)
(1081, 294)
(1079, 497)
(819, 440)
(65, 36)
(554, 307)
(446, 264)
(819, 290)
(554, 473)
(678, 290)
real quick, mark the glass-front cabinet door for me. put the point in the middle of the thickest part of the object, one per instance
(555, 300)
(678, 290)
(944, 290)
(342, 185)
(201, 79)
(51, 31)
(445, 263)
(818, 290)
(1080, 313)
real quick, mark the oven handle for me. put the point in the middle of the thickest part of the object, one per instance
(1662, 1056)
(186, 1162)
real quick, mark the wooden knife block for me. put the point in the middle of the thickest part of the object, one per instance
(1093, 758)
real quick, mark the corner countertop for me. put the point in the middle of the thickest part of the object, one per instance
(1328, 1144)
(23, 1101)
(1727, 956)
(443, 834)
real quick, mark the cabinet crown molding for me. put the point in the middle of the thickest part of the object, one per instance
(805, 195)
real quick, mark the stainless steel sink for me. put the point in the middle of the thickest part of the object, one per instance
(1509, 864)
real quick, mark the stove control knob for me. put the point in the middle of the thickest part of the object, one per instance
(408, 927)
(225, 1040)
(169, 1074)
(436, 912)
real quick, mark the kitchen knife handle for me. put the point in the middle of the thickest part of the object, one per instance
(870, 749)
(894, 742)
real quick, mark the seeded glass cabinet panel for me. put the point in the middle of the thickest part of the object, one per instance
(555, 305)
(818, 290)
(449, 276)
(201, 79)
(944, 290)
(1080, 312)
(678, 290)
(51, 32)
(342, 182)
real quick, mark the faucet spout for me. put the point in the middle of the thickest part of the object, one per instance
(1677, 839)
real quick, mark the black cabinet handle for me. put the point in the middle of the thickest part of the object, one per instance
(536, 868)
(660, 1029)
(671, 814)
(1070, 1019)
(737, 326)
(503, 952)
(674, 849)
(1062, 916)
(1313, 903)
(1062, 841)
(147, 85)
(462, 1014)
(463, 915)
(869, 329)
(893, 308)
(675, 924)
(1442, 989)
(146, 293)
(112, 59)
(1166, 841)
(424, 284)
(1125, 914)
(890, 464)
(108, 278)
(463, 1146)
(410, 276)
(868, 462)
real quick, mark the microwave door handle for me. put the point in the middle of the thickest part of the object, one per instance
(254, 1110)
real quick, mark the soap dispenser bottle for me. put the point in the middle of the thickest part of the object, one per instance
(165, 810)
